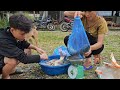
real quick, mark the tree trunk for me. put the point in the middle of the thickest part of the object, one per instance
(112, 13)
(34, 15)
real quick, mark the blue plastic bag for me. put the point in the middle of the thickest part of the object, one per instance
(78, 42)
(64, 50)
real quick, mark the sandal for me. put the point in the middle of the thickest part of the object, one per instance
(97, 61)
(88, 68)
(87, 65)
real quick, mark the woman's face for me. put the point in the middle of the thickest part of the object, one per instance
(18, 34)
(90, 15)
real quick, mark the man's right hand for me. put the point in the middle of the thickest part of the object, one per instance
(44, 56)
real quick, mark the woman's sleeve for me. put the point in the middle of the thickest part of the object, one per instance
(103, 28)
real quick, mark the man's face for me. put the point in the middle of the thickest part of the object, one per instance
(18, 34)
(90, 15)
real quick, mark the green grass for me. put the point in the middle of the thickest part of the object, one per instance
(49, 40)
(112, 44)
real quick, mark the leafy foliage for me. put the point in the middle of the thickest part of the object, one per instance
(3, 22)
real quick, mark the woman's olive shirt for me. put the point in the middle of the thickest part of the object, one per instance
(98, 27)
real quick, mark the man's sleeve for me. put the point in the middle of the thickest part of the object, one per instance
(26, 44)
(8, 49)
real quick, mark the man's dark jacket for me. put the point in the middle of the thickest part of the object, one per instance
(11, 48)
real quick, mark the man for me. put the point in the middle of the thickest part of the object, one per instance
(96, 28)
(12, 45)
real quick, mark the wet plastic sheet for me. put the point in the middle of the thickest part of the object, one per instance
(105, 72)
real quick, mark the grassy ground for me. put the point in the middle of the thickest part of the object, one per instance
(49, 40)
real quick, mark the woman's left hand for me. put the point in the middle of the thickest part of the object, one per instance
(88, 53)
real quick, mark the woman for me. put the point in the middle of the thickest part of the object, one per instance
(96, 28)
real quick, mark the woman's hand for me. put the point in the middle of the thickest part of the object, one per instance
(73, 14)
(79, 13)
(88, 53)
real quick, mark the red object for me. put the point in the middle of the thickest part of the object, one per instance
(68, 20)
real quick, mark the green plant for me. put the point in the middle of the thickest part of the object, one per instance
(4, 22)
(27, 14)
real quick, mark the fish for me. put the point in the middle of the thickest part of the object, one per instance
(113, 63)
(56, 62)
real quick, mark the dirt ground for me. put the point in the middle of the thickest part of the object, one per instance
(33, 71)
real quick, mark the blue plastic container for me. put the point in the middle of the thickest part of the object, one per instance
(54, 70)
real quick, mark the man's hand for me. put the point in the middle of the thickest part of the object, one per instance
(44, 56)
(40, 51)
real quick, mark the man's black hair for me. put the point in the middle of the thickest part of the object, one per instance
(21, 22)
